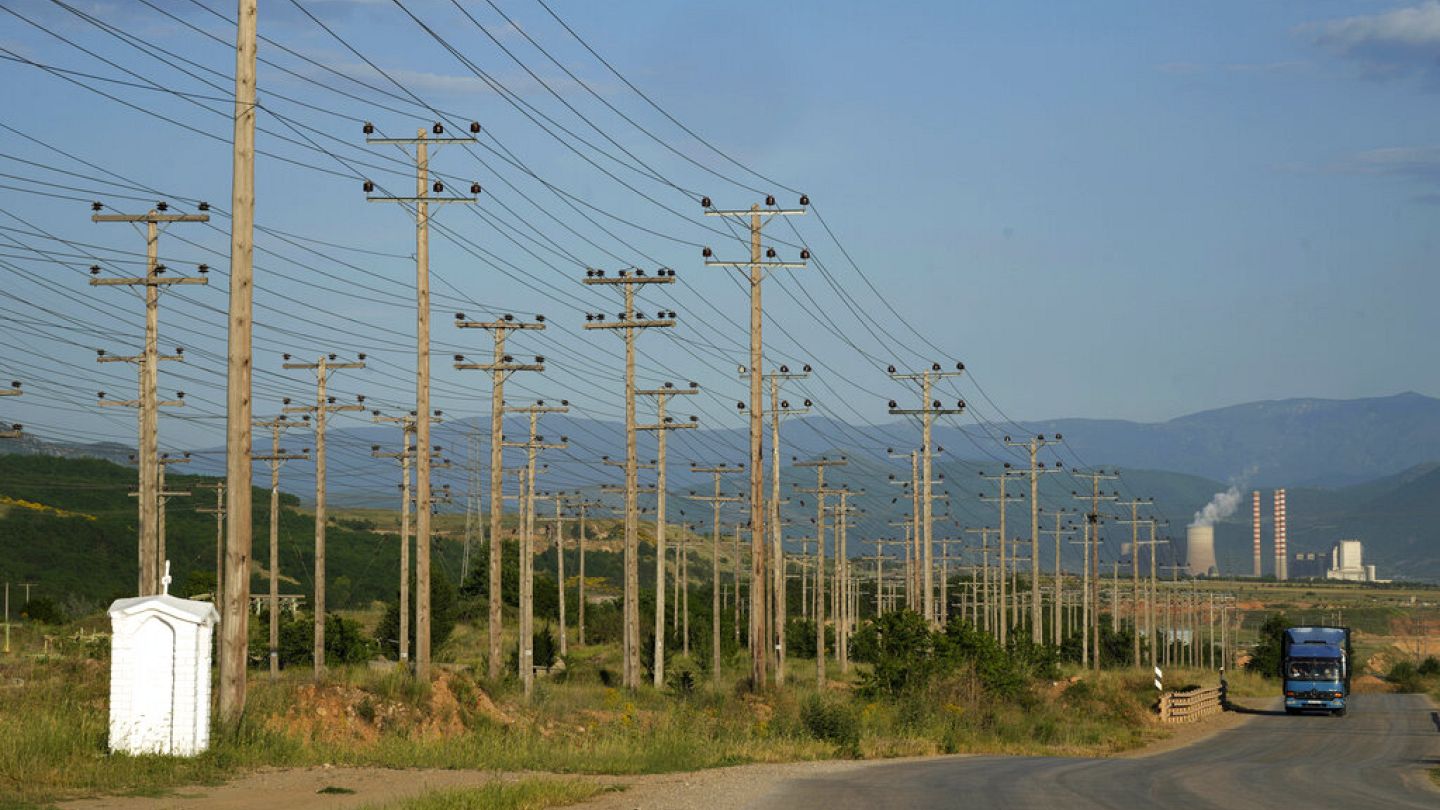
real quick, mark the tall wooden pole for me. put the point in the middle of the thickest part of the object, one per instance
(276, 458)
(422, 408)
(318, 603)
(422, 202)
(715, 499)
(630, 324)
(323, 407)
(500, 369)
(235, 618)
(661, 427)
(779, 408)
(757, 266)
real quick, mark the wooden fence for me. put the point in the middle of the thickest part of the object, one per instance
(1187, 707)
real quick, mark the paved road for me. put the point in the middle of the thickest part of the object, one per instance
(1374, 758)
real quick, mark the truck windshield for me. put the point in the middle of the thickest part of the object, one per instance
(1313, 670)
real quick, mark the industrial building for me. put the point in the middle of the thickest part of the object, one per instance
(1347, 563)
(1200, 551)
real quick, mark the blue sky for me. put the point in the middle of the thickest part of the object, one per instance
(1130, 210)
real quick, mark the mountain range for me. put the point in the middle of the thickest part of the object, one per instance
(1363, 468)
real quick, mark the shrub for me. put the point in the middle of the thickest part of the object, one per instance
(901, 649)
(832, 720)
(1269, 650)
(43, 609)
(1406, 677)
(1004, 673)
(1430, 666)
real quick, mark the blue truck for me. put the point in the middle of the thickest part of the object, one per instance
(1315, 663)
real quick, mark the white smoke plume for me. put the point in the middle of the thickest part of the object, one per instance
(1221, 506)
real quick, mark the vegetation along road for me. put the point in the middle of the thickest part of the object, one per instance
(1372, 758)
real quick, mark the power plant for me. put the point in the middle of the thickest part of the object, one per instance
(1200, 550)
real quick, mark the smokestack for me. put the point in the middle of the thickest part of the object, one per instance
(1282, 569)
(1200, 550)
(1255, 520)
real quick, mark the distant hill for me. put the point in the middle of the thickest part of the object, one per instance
(1288, 443)
(70, 526)
(1354, 468)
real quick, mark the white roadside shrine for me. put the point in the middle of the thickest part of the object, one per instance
(160, 674)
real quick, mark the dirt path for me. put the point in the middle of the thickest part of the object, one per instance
(299, 788)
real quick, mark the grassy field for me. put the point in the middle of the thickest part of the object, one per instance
(53, 726)
(527, 794)
(53, 716)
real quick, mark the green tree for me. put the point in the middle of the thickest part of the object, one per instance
(444, 613)
(901, 650)
(1266, 658)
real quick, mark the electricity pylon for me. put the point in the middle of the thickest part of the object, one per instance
(779, 408)
(630, 322)
(533, 444)
(661, 427)
(149, 448)
(715, 500)
(762, 260)
(820, 491)
(277, 458)
(1036, 468)
(323, 407)
(500, 368)
(421, 202)
(928, 410)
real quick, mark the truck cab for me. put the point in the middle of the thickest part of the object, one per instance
(1315, 667)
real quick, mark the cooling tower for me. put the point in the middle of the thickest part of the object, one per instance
(1200, 550)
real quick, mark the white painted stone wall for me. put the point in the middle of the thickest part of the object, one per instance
(160, 675)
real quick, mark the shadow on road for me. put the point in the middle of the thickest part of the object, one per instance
(1434, 716)
(1239, 709)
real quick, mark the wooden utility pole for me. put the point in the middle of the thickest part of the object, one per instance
(662, 426)
(583, 505)
(277, 457)
(739, 559)
(945, 558)
(558, 522)
(323, 407)
(1002, 614)
(715, 500)
(219, 512)
(532, 447)
(235, 610)
(163, 497)
(820, 491)
(1036, 468)
(844, 617)
(421, 202)
(500, 368)
(1153, 543)
(928, 410)
(1092, 552)
(630, 323)
(1135, 522)
(912, 528)
(406, 456)
(148, 452)
(473, 495)
(762, 261)
(991, 623)
(1057, 636)
(779, 408)
(879, 559)
(150, 551)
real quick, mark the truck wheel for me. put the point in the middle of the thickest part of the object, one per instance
(1339, 712)
(1291, 710)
